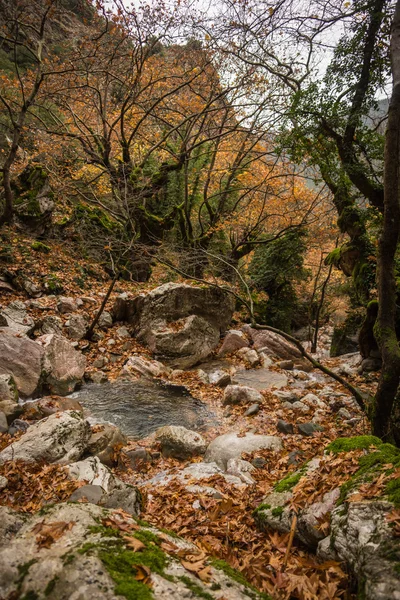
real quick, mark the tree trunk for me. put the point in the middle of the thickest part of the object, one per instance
(385, 330)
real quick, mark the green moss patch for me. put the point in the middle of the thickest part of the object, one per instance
(288, 482)
(251, 591)
(361, 442)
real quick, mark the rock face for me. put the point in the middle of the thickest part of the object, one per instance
(361, 536)
(60, 438)
(63, 366)
(181, 324)
(15, 317)
(179, 442)
(229, 445)
(83, 560)
(22, 358)
(241, 394)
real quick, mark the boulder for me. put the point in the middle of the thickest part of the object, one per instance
(51, 324)
(179, 442)
(180, 323)
(144, 366)
(196, 472)
(21, 358)
(76, 551)
(260, 379)
(76, 326)
(218, 377)
(105, 321)
(66, 305)
(241, 469)
(230, 445)
(15, 317)
(3, 422)
(272, 344)
(63, 366)
(60, 438)
(105, 441)
(9, 397)
(234, 340)
(241, 394)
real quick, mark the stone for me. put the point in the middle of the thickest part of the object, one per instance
(49, 405)
(98, 377)
(295, 457)
(371, 364)
(21, 358)
(241, 469)
(230, 445)
(361, 536)
(260, 379)
(63, 366)
(252, 410)
(258, 462)
(122, 332)
(179, 442)
(16, 319)
(287, 365)
(233, 340)
(88, 493)
(105, 321)
(180, 324)
(297, 406)
(3, 422)
(51, 324)
(219, 377)
(145, 367)
(9, 397)
(195, 472)
(284, 427)
(308, 429)
(66, 305)
(344, 413)
(73, 565)
(60, 438)
(319, 416)
(286, 396)
(241, 394)
(101, 362)
(3, 482)
(134, 459)
(105, 441)
(313, 401)
(272, 344)
(77, 326)
(17, 426)
(249, 356)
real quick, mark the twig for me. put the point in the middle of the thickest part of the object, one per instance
(290, 543)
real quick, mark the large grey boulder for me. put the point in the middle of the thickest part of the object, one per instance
(63, 366)
(179, 442)
(61, 438)
(230, 445)
(181, 324)
(21, 358)
(85, 552)
(15, 317)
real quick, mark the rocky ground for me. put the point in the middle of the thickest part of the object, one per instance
(286, 494)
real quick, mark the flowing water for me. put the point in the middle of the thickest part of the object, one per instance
(140, 407)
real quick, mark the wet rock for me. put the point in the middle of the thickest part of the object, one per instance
(63, 366)
(308, 429)
(66, 305)
(16, 319)
(252, 410)
(233, 340)
(249, 356)
(241, 394)
(59, 438)
(230, 445)
(49, 405)
(284, 427)
(21, 358)
(179, 442)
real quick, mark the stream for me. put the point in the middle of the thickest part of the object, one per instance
(140, 407)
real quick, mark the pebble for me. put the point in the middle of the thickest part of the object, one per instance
(252, 410)
(284, 426)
